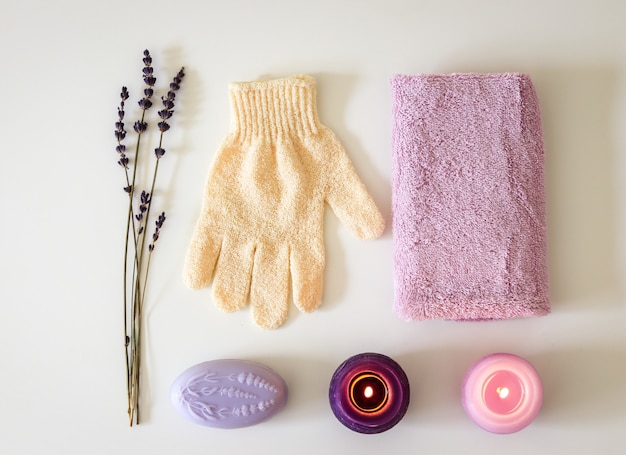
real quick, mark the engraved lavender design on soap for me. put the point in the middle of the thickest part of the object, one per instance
(198, 388)
(229, 393)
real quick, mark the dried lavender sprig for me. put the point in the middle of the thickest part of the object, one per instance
(120, 135)
(140, 127)
(158, 225)
(149, 80)
(155, 236)
(143, 206)
(157, 229)
(144, 200)
(148, 76)
(167, 112)
(133, 343)
(168, 103)
(120, 131)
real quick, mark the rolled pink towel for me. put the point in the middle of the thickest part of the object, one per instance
(469, 203)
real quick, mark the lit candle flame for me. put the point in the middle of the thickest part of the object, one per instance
(368, 392)
(502, 392)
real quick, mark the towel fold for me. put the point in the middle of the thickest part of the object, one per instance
(469, 203)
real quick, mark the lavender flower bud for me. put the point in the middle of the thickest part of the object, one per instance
(160, 220)
(145, 103)
(140, 127)
(178, 78)
(120, 133)
(159, 152)
(150, 80)
(163, 126)
(121, 149)
(158, 225)
(148, 92)
(128, 189)
(165, 114)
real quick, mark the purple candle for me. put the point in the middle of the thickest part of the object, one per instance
(369, 393)
(502, 393)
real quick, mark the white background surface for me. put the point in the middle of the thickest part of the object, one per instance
(62, 388)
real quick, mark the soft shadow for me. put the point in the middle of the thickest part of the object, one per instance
(581, 153)
(435, 378)
(582, 385)
(334, 93)
(188, 104)
(308, 381)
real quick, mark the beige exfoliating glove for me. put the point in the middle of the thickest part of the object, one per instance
(262, 212)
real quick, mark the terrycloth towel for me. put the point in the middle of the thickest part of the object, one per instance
(469, 220)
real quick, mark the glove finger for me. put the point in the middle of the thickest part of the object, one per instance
(307, 272)
(269, 289)
(231, 284)
(348, 197)
(202, 255)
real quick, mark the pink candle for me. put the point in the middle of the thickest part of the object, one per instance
(502, 393)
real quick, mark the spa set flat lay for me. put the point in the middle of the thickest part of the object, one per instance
(469, 239)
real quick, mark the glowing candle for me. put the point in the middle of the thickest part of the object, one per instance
(502, 393)
(369, 393)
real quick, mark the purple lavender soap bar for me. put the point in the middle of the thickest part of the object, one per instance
(229, 393)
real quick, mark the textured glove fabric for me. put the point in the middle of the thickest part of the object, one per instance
(260, 231)
(469, 215)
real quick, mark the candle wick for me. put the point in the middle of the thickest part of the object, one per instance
(502, 392)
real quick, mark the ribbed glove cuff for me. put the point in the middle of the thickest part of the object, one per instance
(271, 109)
